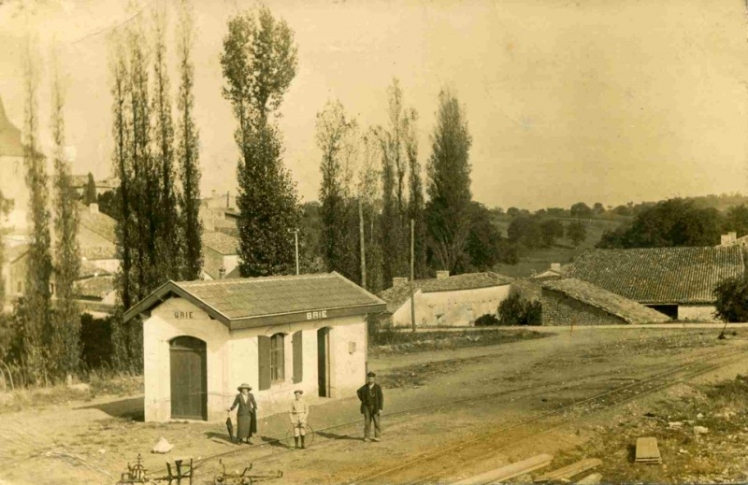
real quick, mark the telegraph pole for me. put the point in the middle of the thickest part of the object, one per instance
(295, 232)
(363, 242)
(412, 275)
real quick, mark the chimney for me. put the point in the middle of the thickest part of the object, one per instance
(556, 267)
(442, 275)
(727, 239)
(399, 280)
(222, 273)
(93, 208)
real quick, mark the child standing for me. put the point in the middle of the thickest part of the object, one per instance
(299, 412)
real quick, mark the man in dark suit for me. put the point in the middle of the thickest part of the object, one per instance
(372, 402)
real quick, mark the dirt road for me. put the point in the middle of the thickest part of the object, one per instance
(497, 387)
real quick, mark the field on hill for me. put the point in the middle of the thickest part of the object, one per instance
(563, 252)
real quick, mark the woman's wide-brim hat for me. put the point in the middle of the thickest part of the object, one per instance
(298, 391)
(244, 386)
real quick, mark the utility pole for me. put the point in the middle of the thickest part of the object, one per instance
(412, 275)
(363, 242)
(296, 242)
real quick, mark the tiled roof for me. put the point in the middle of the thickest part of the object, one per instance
(660, 275)
(397, 295)
(220, 242)
(10, 137)
(628, 310)
(98, 222)
(246, 302)
(95, 287)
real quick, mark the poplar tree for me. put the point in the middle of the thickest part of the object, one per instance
(449, 185)
(337, 138)
(4, 210)
(188, 151)
(259, 62)
(89, 194)
(64, 349)
(416, 203)
(166, 255)
(35, 318)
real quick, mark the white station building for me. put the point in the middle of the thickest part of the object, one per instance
(202, 339)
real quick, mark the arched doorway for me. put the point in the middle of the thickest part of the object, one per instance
(323, 361)
(189, 378)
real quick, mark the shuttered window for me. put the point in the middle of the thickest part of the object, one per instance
(263, 344)
(276, 358)
(298, 356)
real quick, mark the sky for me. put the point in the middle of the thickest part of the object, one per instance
(566, 101)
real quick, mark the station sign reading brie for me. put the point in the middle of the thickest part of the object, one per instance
(316, 315)
(180, 315)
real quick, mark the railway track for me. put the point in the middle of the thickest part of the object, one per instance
(438, 465)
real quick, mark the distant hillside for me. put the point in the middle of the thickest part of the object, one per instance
(562, 252)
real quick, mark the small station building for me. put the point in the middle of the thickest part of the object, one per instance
(202, 339)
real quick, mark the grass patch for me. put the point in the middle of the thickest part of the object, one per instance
(389, 340)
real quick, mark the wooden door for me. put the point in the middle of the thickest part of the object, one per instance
(189, 378)
(323, 361)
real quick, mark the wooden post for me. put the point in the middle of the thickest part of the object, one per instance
(412, 275)
(363, 242)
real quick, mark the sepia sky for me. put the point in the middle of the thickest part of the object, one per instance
(592, 100)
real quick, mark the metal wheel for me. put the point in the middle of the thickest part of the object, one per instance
(308, 440)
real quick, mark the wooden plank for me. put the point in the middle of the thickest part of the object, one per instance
(593, 479)
(570, 471)
(647, 450)
(508, 471)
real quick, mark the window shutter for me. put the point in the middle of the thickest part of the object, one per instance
(263, 344)
(298, 356)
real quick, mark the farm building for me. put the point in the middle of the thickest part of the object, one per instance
(446, 300)
(202, 339)
(571, 301)
(675, 281)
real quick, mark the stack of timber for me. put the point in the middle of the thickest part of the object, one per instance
(509, 471)
(647, 451)
(567, 472)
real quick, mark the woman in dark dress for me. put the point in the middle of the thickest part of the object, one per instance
(246, 414)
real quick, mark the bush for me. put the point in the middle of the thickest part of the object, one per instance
(96, 341)
(515, 310)
(732, 299)
(487, 320)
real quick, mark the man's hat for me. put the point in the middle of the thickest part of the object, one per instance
(371, 374)
(298, 391)
(244, 386)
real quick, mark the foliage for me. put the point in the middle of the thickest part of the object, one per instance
(576, 232)
(526, 231)
(732, 299)
(736, 219)
(89, 194)
(416, 202)
(168, 254)
(96, 341)
(449, 185)
(581, 210)
(36, 319)
(485, 246)
(108, 203)
(188, 151)
(337, 138)
(515, 310)
(64, 345)
(259, 63)
(550, 230)
(487, 320)
(674, 222)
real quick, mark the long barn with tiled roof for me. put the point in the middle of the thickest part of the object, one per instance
(676, 281)
(279, 334)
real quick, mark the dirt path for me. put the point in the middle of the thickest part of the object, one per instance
(82, 443)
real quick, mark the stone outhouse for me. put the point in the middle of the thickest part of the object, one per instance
(202, 339)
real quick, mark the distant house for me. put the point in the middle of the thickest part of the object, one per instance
(80, 184)
(12, 173)
(446, 300)
(570, 301)
(554, 272)
(732, 239)
(220, 253)
(97, 238)
(675, 281)
(202, 339)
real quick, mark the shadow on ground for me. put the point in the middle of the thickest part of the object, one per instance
(131, 408)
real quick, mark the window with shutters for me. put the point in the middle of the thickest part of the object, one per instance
(276, 358)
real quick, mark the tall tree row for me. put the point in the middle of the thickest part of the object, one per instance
(64, 346)
(158, 226)
(259, 62)
(35, 317)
